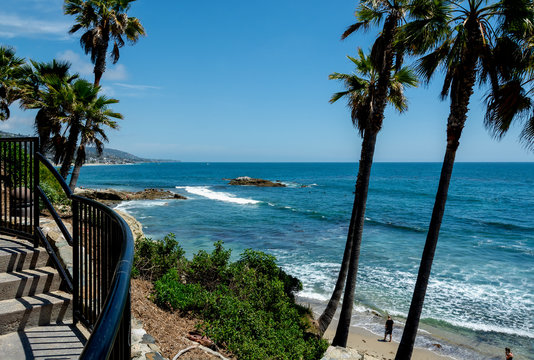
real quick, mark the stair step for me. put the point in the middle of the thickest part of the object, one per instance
(16, 255)
(28, 282)
(17, 314)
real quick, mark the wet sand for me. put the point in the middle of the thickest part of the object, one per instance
(372, 345)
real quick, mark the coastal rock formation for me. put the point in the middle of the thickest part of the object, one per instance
(339, 353)
(248, 181)
(133, 223)
(113, 196)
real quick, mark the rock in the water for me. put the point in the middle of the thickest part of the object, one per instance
(113, 196)
(248, 181)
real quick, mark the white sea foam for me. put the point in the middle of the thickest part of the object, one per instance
(493, 328)
(133, 204)
(308, 294)
(204, 191)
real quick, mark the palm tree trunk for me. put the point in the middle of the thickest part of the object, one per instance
(412, 323)
(326, 317)
(362, 187)
(80, 160)
(461, 91)
(70, 149)
(100, 61)
(328, 314)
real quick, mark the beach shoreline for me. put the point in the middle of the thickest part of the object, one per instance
(371, 344)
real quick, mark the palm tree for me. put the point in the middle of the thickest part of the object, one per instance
(512, 100)
(98, 115)
(362, 93)
(10, 76)
(464, 46)
(103, 21)
(41, 89)
(385, 54)
(77, 100)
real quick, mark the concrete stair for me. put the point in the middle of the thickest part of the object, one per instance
(30, 292)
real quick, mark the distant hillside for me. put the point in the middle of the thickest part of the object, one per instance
(109, 156)
(4, 134)
(114, 156)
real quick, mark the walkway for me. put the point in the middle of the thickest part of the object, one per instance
(35, 314)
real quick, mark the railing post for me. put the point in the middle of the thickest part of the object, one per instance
(36, 179)
(76, 260)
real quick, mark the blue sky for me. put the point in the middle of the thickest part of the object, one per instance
(243, 81)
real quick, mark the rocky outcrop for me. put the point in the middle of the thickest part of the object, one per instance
(248, 181)
(143, 345)
(114, 196)
(58, 241)
(133, 223)
(339, 353)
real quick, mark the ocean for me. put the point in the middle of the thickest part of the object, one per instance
(480, 297)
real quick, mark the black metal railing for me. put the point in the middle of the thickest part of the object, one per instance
(19, 176)
(102, 248)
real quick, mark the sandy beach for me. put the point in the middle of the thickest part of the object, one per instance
(372, 345)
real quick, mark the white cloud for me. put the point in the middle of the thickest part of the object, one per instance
(136, 87)
(85, 68)
(12, 25)
(18, 123)
(78, 65)
(115, 72)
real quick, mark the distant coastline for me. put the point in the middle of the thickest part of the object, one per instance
(132, 163)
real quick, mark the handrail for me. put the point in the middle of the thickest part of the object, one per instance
(102, 246)
(55, 215)
(101, 342)
(112, 318)
(54, 172)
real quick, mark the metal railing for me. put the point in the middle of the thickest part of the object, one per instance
(101, 240)
(19, 176)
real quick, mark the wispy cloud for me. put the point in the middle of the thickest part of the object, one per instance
(137, 87)
(85, 68)
(18, 123)
(13, 25)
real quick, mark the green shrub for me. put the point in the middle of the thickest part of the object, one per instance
(17, 164)
(171, 293)
(152, 259)
(51, 187)
(247, 306)
(209, 269)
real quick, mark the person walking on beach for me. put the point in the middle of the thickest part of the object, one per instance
(509, 354)
(389, 328)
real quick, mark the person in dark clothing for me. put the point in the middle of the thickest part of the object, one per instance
(389, 328)
(509, 354)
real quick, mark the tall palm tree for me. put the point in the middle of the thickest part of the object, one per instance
(43, 83)
(362, 93)
(10, 76)
(77, 100)
(386, 55)
(464, 46)
(98, 115)
(513, 99)
(103, 21)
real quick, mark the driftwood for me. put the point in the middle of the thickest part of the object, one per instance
(203, 348)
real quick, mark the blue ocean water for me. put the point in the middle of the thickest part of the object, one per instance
(481, 293)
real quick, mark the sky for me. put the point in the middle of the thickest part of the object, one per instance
(244, 81)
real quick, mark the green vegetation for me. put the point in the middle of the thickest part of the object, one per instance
(152, 259)
(51, 187)
(16, 164)
(246, 306)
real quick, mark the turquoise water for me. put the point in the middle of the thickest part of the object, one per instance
(481, 294)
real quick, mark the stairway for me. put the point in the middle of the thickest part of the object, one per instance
(35, 314)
